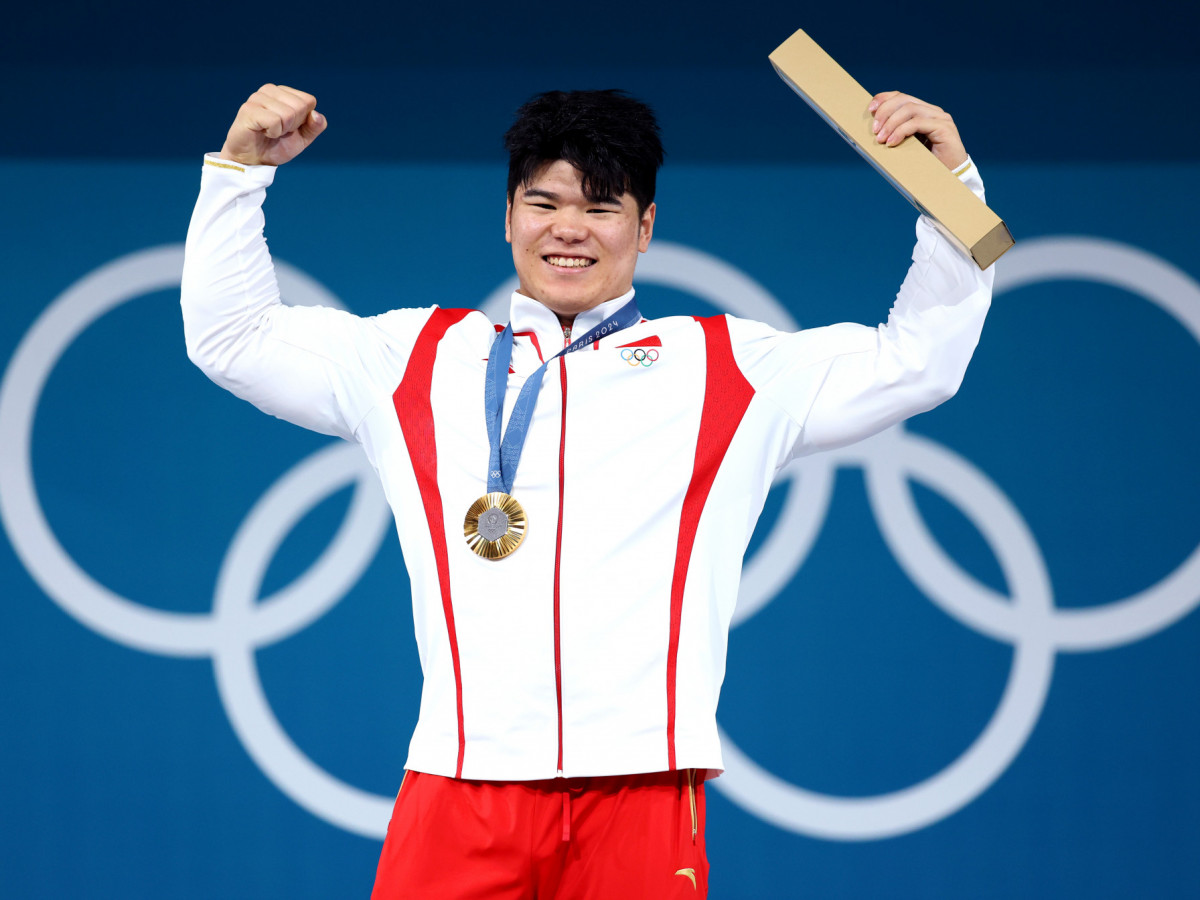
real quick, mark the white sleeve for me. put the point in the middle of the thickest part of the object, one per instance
(842, 383)
(320, 368)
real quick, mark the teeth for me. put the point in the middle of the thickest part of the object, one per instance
(570, 262)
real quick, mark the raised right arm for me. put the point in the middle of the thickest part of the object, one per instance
(313, 366)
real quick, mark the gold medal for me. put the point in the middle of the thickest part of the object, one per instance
(495, 525)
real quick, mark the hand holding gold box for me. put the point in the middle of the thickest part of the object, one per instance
(932, 188)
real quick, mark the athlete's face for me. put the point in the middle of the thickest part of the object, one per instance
(571, 253)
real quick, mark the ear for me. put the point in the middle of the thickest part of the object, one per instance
(646, 228)
(508, 221)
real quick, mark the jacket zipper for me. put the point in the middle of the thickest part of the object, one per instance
(562, 445)
(691, 776)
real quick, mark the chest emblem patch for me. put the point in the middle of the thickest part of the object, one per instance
(640, 356)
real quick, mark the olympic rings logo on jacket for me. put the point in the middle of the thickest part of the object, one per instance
(636, 356)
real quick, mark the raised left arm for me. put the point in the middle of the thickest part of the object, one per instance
(843, 383)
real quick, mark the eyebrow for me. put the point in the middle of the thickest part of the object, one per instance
(550, 195)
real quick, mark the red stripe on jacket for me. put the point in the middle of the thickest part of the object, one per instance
(727, 395)
(415, 412)
(653, 341)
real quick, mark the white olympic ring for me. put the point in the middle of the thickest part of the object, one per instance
(238, 626)
(241, 622)
(1028, 619)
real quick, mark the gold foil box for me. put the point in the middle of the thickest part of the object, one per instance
(932, 188)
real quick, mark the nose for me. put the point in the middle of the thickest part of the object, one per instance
(569, 226)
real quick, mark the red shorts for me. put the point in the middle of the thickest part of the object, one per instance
(620, 837)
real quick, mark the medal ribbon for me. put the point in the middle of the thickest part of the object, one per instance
(506, 450)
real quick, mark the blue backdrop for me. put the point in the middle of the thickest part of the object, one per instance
(964, 664)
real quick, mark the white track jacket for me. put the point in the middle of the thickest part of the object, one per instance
(598, 647)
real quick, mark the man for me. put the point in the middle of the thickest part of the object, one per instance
(572, 629)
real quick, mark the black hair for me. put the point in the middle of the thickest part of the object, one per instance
(611, 138)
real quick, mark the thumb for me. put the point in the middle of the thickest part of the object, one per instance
(312, 127)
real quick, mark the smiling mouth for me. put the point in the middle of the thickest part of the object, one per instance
(569, 262)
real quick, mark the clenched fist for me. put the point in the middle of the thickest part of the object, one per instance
(273, 126)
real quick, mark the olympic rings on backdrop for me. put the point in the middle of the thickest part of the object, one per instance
(242, 621)
(1027, 618)
(638, 356)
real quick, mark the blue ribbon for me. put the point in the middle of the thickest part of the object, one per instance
(506, 452)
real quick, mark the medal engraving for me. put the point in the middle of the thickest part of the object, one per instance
(495, 525)
(492, 524)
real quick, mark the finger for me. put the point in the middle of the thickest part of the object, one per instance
(937, 132)
(924, 125)
(278, 113)
(898, 116)
(879, 99)
(885, 105)
(888, 104)
(265, 121)
(253, 117)
(293, 97)
(307, 100)
(312, 126)
(300, 102)
(311, 122)
(259, 113)
(289, 105)
(905, 112)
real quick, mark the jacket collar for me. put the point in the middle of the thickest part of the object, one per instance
(527, 314)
